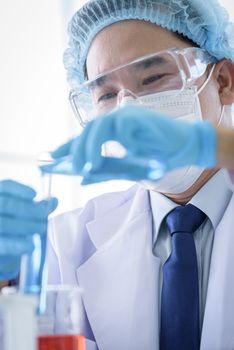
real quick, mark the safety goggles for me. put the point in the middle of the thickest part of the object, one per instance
(171, 70)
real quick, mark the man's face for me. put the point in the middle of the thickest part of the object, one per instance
(125, 41)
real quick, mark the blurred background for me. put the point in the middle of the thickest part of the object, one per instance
(35, 114)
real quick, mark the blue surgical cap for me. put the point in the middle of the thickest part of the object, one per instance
(205, 22)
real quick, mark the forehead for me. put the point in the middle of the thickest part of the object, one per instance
(125, 41)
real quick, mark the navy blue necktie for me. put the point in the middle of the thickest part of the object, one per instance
(180, 291)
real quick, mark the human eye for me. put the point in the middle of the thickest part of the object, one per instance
(106, 97)
(152, 79)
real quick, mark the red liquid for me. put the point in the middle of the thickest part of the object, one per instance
(61, 342)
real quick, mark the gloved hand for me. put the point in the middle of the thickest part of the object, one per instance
(147, 136)
(20, 218)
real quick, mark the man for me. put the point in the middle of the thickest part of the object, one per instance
(121, 241)
(119, 247)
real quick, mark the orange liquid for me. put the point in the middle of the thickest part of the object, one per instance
(61, 342)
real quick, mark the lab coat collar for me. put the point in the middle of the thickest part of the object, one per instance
(119, 213)
(161, 206)
(203, 199)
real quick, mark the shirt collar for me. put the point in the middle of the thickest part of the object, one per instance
(205, 199)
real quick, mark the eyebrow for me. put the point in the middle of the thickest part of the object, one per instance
(153, 61)
(140, 65)
(98, 82)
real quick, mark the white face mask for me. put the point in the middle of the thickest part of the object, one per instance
(184, 105)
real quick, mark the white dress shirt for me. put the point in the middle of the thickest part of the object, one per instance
(212, 199)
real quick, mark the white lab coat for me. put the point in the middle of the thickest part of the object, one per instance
(106, 248)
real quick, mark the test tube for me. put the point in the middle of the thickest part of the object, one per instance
(33, 274)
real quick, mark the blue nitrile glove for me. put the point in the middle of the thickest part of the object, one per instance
(146, 135)
(20, 218)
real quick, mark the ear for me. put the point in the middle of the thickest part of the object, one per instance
(224, 72)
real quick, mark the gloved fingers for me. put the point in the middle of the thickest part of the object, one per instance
(63, 150)
(62, 163)
(127, 168)
(9, 267)
(50, 204)
(26, 209)
(135, 128)
(146, 132)
(16, 189)
(69, 158)
(100, 131)
(131, 126)
(78, 149)
(17, 226)
(72, 161)
(15, 245)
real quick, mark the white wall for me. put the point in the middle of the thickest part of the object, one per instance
(33, 110)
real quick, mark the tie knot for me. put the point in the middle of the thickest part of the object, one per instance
(185, 219)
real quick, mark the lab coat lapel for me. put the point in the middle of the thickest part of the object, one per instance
(218, 322)
(120, 281)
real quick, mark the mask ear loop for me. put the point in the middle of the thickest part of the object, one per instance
(207, 80)
(221, 115)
